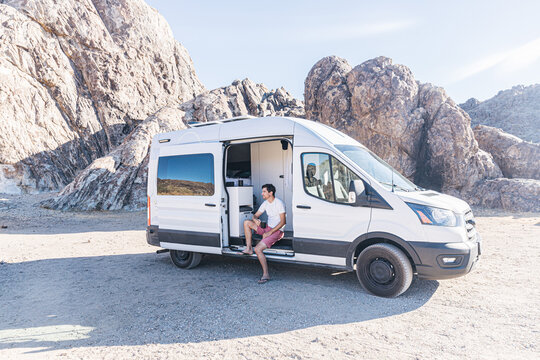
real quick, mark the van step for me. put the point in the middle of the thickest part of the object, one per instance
(272, 251)
(241, 241)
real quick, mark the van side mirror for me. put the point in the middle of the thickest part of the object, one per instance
(358, 194)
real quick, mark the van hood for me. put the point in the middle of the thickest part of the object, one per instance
(435, 199)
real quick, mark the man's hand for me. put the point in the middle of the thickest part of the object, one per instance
(265, 235)
(257, 222)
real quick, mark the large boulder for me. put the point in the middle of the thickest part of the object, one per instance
(509, 194)
(516, 158)
(516, 111)
(118, 180)
(415, 127)
(76, 77)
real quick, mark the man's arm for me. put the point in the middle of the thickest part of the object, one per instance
(256, 218)
(282, 222)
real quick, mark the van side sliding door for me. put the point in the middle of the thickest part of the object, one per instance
(189, 192)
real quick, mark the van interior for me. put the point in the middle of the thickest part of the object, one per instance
(248, 167)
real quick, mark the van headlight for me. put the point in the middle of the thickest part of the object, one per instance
(434, 216)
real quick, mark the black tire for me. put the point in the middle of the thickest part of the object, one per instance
(185, 259)
(384, 270)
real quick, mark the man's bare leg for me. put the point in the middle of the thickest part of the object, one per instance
(262, 259)
(248, 226)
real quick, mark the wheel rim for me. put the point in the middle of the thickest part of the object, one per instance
(381, 271)
(182, 255)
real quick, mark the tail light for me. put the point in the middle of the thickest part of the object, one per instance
(148, 207)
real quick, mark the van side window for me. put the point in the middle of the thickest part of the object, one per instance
(317, 175)
(326, 177)
(187, 175)
(342, 180)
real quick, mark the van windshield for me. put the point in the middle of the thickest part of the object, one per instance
(376, 167)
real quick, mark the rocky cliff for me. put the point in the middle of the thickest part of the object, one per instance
(516, 111)
(85, 84)
(416, 127)
(76, 77)
(118, 180)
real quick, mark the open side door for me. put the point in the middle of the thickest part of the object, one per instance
(188, 200)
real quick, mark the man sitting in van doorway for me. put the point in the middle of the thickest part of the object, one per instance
(275, 209)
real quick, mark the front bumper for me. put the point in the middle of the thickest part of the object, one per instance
(431, 256)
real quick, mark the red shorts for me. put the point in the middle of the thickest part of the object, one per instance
(271, 239)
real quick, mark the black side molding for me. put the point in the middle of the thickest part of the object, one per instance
(303, 206)
(190, 237)
(320, 247)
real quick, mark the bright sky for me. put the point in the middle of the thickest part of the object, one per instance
(471, 48)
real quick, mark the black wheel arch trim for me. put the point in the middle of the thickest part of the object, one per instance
(385, 236)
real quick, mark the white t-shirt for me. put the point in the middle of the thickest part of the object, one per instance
(273, 210)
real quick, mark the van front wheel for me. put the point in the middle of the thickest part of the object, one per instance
(185, 259)
(384, 270)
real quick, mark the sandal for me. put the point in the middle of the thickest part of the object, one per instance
(263, 281)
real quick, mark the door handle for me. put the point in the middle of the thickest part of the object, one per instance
(211, 205)
(303, 206)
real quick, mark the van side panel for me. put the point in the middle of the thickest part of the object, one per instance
(186, 196)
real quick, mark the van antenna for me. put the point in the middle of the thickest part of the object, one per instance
(392, 174)
(392, 179)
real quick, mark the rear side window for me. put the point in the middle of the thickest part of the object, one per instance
(187, 175)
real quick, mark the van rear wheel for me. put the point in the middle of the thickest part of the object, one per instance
(185, 259)
(384, 270)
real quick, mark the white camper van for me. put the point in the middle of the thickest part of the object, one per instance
(345, 207)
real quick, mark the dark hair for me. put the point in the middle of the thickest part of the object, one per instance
(270, 188)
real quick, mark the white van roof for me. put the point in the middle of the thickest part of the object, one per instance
(305, 132)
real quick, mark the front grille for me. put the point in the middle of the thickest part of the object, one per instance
(469, 225)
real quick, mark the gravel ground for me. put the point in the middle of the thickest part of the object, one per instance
(86, 285)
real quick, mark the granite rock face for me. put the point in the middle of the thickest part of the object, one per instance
(515, 111)
(516, 158)
(118, 180)
(76, 77)
(415, 127)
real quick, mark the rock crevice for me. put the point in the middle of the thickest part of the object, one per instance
(94, 70)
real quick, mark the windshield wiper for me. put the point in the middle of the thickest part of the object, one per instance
(395, 186)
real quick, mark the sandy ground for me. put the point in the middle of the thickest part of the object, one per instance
(86, 285)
